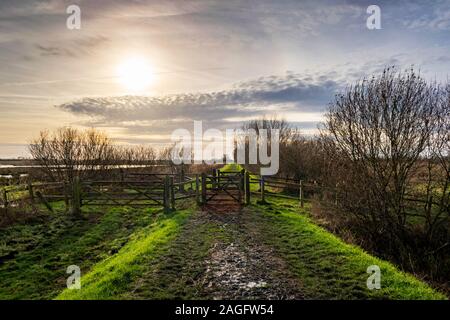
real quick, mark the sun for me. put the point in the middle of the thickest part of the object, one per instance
(135, 74)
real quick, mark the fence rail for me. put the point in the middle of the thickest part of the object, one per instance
(150, 189)
(164, 190)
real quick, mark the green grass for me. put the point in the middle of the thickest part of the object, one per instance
(231, 167)
(327, 267)
(36, 254)
(126, 253)
(114, 276)
(177, 273)
(15, 192)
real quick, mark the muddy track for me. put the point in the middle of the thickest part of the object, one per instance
(242, 266)
(219, 254)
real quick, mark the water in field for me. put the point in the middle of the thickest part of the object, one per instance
(82, 166)
(9, 176)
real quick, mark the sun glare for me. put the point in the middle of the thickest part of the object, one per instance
(135, 74)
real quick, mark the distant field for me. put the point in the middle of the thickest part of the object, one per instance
(16, 162)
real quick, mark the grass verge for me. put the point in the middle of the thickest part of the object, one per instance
(178, 273)
(34, 255)
(327, 267)
(113, 277)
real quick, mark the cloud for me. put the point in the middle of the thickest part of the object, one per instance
(434, 18)
(244, 39)
(290, 92)
(54, 51)
(75, 48)
(136, 117)
(300, 98)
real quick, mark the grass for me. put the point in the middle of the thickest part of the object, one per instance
(231, 167)
(15, 192)
(176, 274)
(127, 253)
(113, 277)
(34, 255)
(327, 267)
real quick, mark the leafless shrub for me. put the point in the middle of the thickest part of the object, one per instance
(287, 134)
(139, 155)
(386, 140)
(302, 158)
(68, 152)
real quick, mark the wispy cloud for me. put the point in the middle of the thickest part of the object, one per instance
(74, 48)
(138, 116)
(436, 18)
(266, 94)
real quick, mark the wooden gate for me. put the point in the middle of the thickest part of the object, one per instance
(122, 193)
(223, 187)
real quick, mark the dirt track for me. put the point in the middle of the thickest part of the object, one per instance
(219, 254)
(243, 267)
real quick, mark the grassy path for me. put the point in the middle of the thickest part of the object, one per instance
(218, 256)
(244, 267)
(271, 251)
(262, 252)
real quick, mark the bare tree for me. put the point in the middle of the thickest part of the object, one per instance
(437, 167)
(377, 131)
(135, 155)
(302, 158)
(287, 134)
(68, 152)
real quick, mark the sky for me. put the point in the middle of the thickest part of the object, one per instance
(141, 69)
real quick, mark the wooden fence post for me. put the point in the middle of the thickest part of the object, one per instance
(241, 189)
(30, 191)
(203, 188)
(44, 201)
(172, 193)
(66, 195)
(182, 179)
(166, 194)
(122, 175)
(5, 199)
(336, 194)
(300, 193)
(242, 174)
(197, 189)
(263, 198)
(247, 188)
(214, 180)
(76, 196)
(219, 174)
